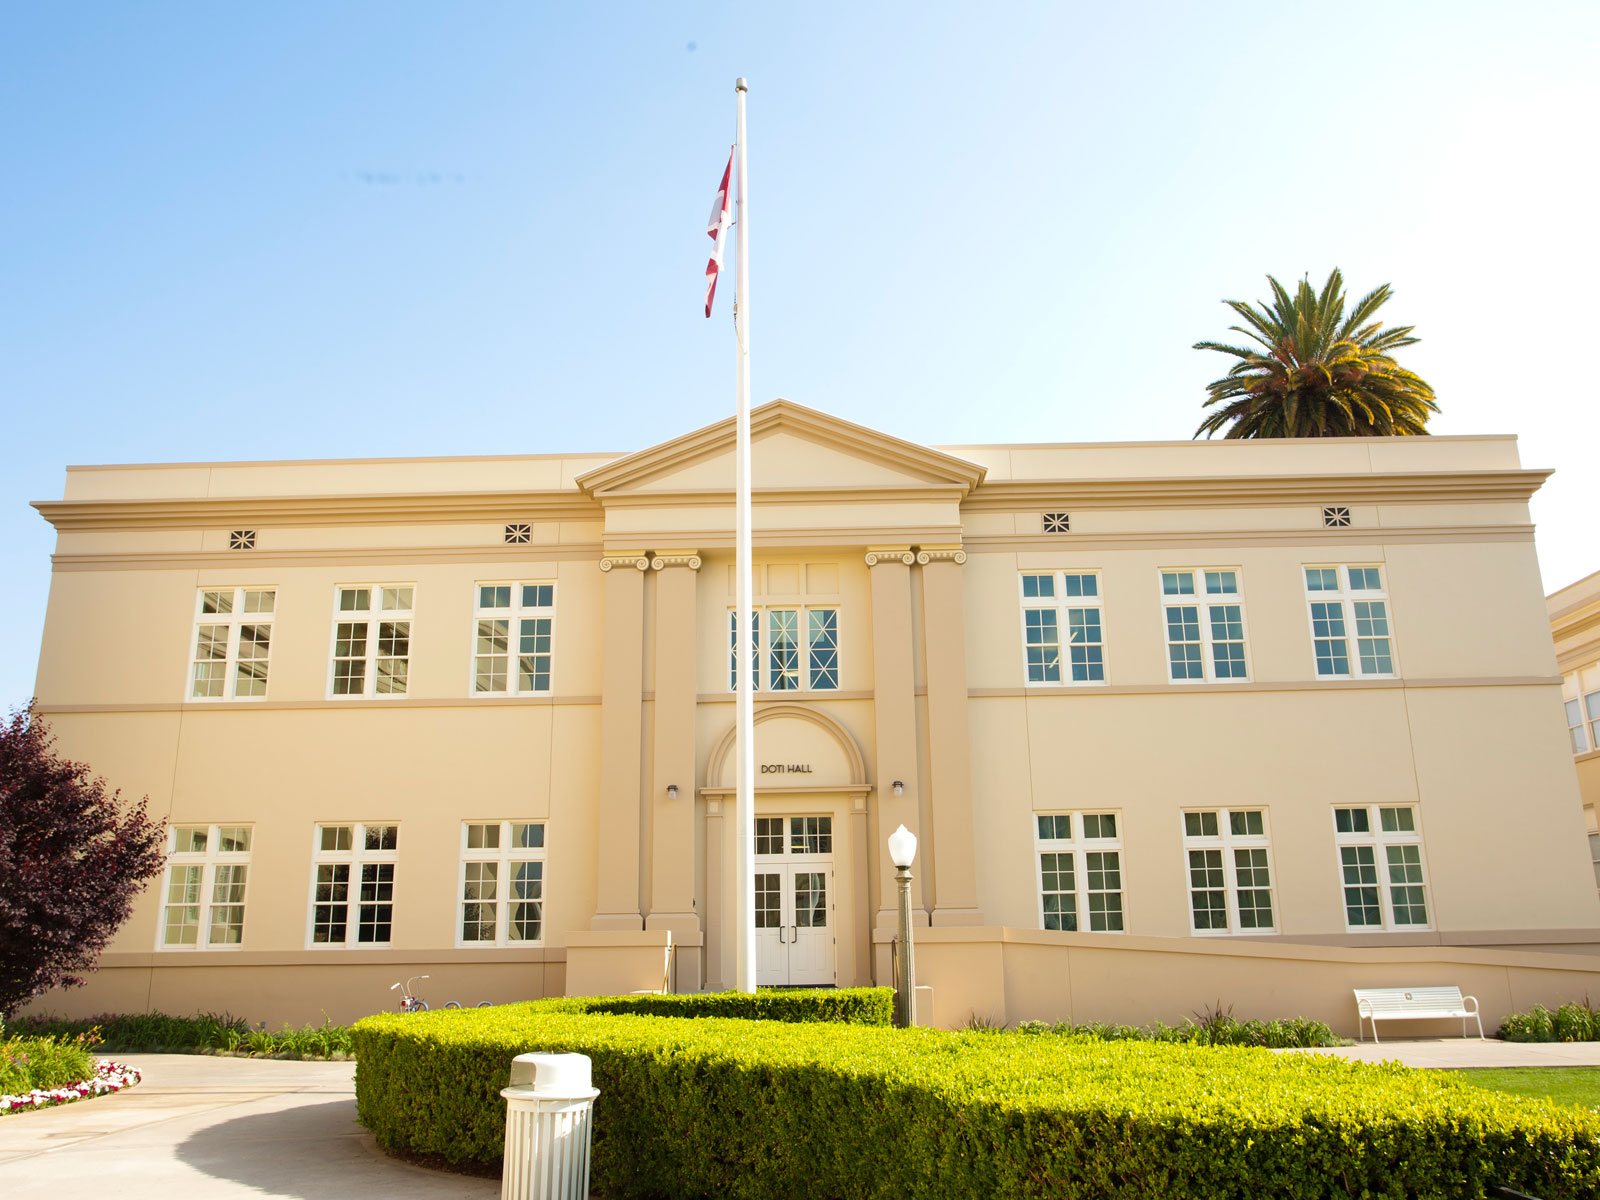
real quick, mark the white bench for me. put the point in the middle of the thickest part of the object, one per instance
(1417, 1004)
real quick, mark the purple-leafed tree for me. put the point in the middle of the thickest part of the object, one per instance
(72, 858)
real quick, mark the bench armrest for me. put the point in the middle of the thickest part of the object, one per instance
(1473, 1000)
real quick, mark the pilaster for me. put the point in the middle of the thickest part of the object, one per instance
(672, 894)
(620, 863)
(949, 739)
(895, 715)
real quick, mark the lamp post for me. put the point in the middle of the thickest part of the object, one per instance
(902, 851)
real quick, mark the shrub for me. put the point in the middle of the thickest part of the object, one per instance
(27, 1063)
(751, 1109)
(1216, 1027)
(1569, 1023)
(852, 1006)
(220, 1033)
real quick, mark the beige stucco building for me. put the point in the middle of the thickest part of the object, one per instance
(1575, 627)
(1174, 722)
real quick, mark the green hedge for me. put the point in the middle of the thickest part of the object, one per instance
(1569, 1023)
(751, 1109)
(851, 1006)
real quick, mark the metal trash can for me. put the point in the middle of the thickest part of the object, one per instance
(549, 1124)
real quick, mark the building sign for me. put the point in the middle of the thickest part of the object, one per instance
(786, 768)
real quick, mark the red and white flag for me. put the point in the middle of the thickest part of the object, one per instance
(716, 229)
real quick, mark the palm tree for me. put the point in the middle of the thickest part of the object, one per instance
(1315, 372)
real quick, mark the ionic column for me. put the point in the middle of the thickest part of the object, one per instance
(671, 851)
(949, 741)
(621, 729)
(895, 715)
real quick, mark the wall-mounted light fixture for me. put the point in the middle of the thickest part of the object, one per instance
(672, 791)
(899, 788)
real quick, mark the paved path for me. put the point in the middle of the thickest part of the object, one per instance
(199, 1126)
(1470, 1052)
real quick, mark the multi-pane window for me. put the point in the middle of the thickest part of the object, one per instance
(513, 625)
(1350, 627)
(371, 640)
(352, 884)
(1227, 853)
(1592, 823)
(203, 894)
(1203, 612)
(1380, 866)
(1583, 716)
(1577, 727)
(1080, 872)
(502, 883)
(793, 647)
(1061, 609)
(232, 643)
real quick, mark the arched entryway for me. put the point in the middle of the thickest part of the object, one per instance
(811, 861)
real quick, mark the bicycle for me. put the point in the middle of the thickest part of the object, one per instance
(408, 1002)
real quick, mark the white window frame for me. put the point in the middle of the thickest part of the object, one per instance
(1079, 846)
(1062, 605)
(374, 617)
(1203, 600)
(514, 615)
(355, 858)
(763, 647)
(208, 860)
(234, 620)
(1227, 841)
(505, 856)
(1380, 840)
(1347, 597)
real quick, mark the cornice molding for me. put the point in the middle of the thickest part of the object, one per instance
(383, 508)
(774, 497)
(355, 556)
(933, 465)
(1167, 491)
(1068, 543)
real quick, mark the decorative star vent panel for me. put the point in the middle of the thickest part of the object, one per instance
(242, 539)
(1336, 516)
(1057, 522)
(519, 533)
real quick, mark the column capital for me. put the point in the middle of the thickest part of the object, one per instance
(638, 561)
(895, 554)
(952, 554)
(688, 559)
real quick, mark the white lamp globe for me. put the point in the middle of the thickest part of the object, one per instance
(902, 847)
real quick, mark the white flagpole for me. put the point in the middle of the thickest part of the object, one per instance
(744, 717)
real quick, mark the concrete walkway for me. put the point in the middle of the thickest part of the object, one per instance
(1469, 1052)
(198, 1126)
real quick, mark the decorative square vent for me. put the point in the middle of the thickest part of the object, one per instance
(1336, 516)
(519, 534)
(1057, 522)
(242, 539)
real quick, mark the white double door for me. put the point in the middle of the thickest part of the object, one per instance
(794, 900)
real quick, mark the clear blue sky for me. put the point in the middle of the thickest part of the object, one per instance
(291, 230)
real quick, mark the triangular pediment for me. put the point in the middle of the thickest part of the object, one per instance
(792, 447)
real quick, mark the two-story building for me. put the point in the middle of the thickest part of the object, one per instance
(1174, 722)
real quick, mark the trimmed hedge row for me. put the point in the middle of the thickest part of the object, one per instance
(204, 1033)
(851, 1006)
(751, 1109)
(1215, 1028)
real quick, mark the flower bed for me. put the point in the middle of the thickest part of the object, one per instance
(108, 1077)
(756, 1109)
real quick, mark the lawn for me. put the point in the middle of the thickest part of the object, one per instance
(1579, 1086)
